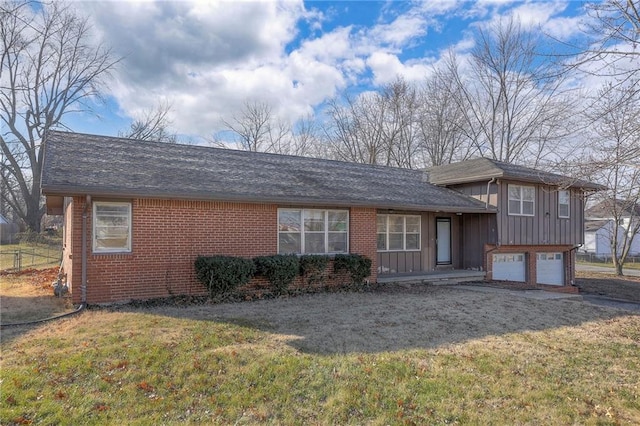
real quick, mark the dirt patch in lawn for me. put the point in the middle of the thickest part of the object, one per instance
(28, 296)
(608, 285)
(413, 317)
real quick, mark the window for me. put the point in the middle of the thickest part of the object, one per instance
(303, 231)
(111, 227)
(398, 232)
(563, 203)
(521, 200)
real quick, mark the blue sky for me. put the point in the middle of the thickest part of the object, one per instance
(208, 58)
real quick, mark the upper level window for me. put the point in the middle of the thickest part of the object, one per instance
(313, 231)
(398, 232)
(111, 227)
(563, 203)
(522, 200)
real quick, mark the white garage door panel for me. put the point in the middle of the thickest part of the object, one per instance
(550, 268)
(509, 267)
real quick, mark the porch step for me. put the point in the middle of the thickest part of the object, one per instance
(434, 278)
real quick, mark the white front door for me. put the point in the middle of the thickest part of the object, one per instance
(443, 241)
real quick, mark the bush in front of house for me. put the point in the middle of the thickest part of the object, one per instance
(223, 274)
(312, 268)
(358, 266)
(280, 270)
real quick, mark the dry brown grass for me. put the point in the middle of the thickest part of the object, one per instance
(28, 296)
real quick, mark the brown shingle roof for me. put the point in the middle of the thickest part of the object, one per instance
(483, 169)
(79, 164)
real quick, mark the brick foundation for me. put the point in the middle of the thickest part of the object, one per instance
(531, 265)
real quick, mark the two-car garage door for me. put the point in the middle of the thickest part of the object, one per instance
(512, 267)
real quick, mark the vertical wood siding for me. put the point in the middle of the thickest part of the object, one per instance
(545, 227)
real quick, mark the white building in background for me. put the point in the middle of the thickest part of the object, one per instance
(600, 225)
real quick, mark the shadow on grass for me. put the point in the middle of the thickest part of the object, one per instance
(627, 288)
(377, 322)
(15, 309)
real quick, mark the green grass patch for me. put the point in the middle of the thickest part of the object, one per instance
(138, 367)
(31, 255)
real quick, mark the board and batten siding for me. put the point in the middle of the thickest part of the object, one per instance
(545, 227)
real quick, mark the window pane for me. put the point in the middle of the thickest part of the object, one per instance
(289, 220)
(528, 193)
(337, 242)
(413, 224)
(289, 243)
(382, 223)
(382, 241)
(314, 243)
(413, 241)
(514, 207)
(396, 223)
(112, 227)
(527, 207)
(314, 220)
(563, 197)
(563, 210)
(396, 241)
(514, 192)
(337, 221)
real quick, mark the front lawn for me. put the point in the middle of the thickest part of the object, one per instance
(433, 356)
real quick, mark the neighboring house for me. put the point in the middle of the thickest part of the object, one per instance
(539, 221)
(8, 231)
(137, 214)
(600, 226)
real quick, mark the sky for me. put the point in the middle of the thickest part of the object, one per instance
(207, 59)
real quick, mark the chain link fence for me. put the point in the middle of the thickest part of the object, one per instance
(17, 258)
(593, 258)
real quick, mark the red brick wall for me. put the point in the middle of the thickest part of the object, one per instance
(531, 259)
(167, 237)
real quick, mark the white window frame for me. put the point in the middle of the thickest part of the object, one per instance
(404, 232)
(566, 193)
(326, 229)
(521, 200)
(96, 249)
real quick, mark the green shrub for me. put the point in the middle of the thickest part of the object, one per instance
(279, 269)
(312, 267)
(358, 266)
(223, 274)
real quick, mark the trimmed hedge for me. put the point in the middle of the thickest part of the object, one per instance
(312, 267)
(279, 269)
(223, 274)
(358, 266)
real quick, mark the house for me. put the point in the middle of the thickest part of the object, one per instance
(8, 230)
(600, 222)
(539, 221)
(138, 213)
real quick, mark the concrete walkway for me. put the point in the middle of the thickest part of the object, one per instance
(527, 294)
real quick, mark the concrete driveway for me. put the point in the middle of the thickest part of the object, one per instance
(607, 270)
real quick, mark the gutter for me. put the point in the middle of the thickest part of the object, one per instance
(486, 206)
(83, 286)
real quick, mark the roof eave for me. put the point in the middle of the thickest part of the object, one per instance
(69, 191)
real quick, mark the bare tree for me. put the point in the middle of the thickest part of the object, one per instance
(613, 37)
(442, 133)
(613, 159)
(257, 129)
(153, 124)
(49, 69)
(513, 102)
(376, 127)
(354, 129)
